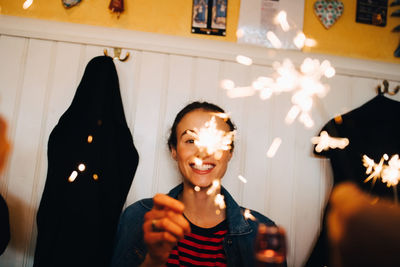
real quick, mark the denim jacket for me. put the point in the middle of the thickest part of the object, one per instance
(130, 250)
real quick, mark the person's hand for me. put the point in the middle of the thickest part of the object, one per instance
(362, 229)
(4, 143)
(345, 201)
(163, 226)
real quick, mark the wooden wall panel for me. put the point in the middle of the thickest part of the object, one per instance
(28, 141)
(150, 110)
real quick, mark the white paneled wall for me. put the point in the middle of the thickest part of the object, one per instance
(42, 64)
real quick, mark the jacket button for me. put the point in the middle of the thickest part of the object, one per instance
(229, 241)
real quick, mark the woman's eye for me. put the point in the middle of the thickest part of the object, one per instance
(190, 141)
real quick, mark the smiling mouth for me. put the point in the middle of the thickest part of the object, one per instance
(203, 167)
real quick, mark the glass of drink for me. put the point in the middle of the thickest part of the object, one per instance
(270, 246)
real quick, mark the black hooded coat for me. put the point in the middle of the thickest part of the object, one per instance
(77, 219)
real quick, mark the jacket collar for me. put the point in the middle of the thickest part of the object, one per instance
(237, 225)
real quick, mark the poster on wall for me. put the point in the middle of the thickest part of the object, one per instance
(258, 17)
(209, 17)
(372, 12)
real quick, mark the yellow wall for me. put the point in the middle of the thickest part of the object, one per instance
(173, 17)
(351, 39)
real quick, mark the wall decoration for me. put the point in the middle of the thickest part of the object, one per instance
(116, 6)
(259, 18)
(372, 12)
(328, 11)
(397, 28)
(209, 17)
(70, 3)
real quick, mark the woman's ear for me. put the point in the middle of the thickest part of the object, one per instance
(173, 153)
(230, 155)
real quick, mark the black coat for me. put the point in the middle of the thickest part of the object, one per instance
(4, 225)
(77, 219)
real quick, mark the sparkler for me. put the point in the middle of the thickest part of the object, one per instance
(304, 84)
(212, 141)
(389, 173)
(324, 142)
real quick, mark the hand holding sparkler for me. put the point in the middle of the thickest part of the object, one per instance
(163, 226)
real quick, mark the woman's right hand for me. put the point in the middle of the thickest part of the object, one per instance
(163, 226)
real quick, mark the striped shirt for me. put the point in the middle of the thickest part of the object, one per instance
(201, 247)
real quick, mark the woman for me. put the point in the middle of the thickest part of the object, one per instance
(185, 227)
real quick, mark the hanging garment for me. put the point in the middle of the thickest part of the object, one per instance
(4, 225)
(373, 130)
(91, 164)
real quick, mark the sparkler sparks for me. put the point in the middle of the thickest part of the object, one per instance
(198, 161)
(215, 186)
(241, 178)
(247, 215)
(276, 43)
(274, 147)
(73, 176)
(324, 142)
(212, 141)
(81, 167)
(281, 18)
(27, 4)
(304, 84)
(244, 60)
(219, 201)
(389, 173)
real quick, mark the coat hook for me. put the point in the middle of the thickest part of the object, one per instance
(386, 89)
(117, 54)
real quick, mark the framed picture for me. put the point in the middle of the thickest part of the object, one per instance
(372, 12)
(209, 17)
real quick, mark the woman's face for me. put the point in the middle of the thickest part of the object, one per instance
(186, 151)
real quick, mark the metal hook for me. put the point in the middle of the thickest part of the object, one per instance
(117, 54)
(386, 89)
